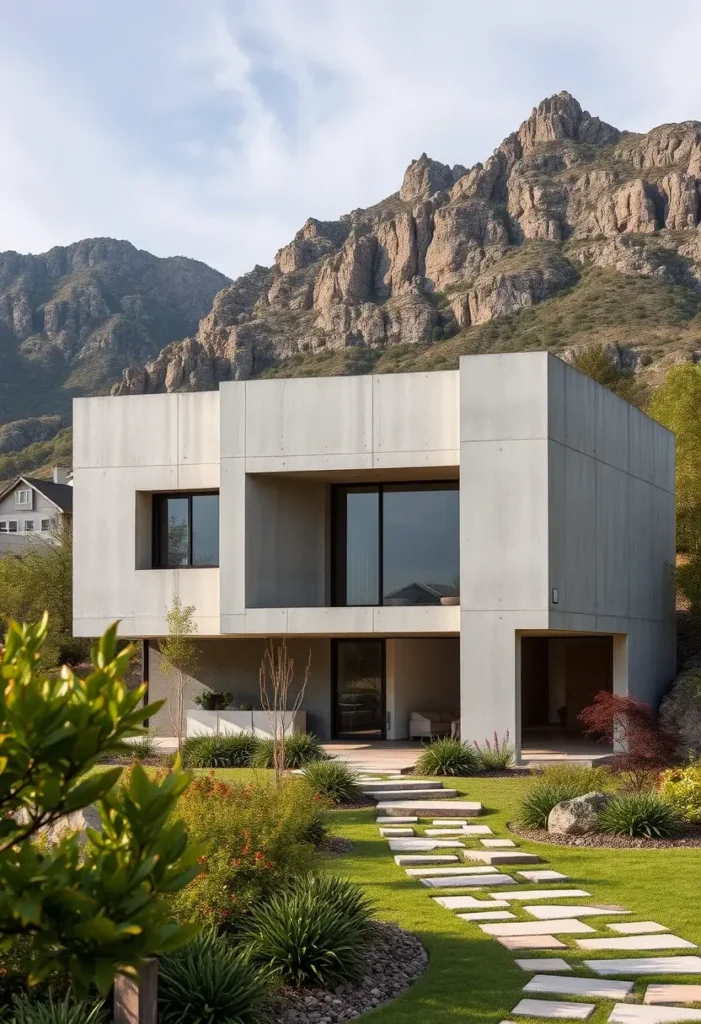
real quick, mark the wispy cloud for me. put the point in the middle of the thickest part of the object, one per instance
(214, 129)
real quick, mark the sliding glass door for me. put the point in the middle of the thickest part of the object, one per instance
(359, 689)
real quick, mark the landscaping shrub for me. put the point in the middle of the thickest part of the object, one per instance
(448, 757)
(303, 749)
(207, 981)
(681, 787)
(681, 711)
(497, 755)
(646, 815)
(555, 784)
(262, 756)
(335, 781)
(313, 932)
(65, 1011)
(228, 751)
(258, 835)
(143, 748)
(647, 747)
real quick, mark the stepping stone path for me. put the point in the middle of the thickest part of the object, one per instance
(544, 964)
(554, 1010)
(403, 801)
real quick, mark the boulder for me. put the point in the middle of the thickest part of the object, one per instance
(577, 816)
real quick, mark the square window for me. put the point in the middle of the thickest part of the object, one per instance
(29, 526)
(12, 526)
(24, 498)
(185, 530)
(45, 525)
(3, 527)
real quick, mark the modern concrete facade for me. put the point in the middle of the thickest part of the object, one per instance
(566, 528)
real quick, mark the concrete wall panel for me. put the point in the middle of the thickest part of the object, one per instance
(612, 534)
(503, 397)
(418, 412)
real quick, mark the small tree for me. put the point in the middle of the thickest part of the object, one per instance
(180, 655)
(646, 747)
(94, 913)
(277, 670)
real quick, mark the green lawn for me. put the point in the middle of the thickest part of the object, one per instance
(470, 977)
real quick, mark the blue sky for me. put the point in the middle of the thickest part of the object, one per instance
(214, 128)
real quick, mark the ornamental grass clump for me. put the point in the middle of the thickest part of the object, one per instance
(257, 836)
(450, 757)
(640, 815)
(335, 781)
(69, 1010)
(302, 749)
(314, 932)
(555, 784)
(208, 981)
(497, 755)
(223, 751)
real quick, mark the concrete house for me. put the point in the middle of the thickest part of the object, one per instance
(32, 508)
(488, 546)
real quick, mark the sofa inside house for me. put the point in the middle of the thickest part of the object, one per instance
(428, 724)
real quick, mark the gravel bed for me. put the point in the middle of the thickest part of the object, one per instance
(395, 960)
(690, 837)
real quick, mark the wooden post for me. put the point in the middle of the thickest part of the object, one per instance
(137, 1002)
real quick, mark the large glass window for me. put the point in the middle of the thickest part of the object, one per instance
(397, 544)
(359, 690)
(186, 530)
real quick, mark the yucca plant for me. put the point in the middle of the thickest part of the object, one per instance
(302, 749)
(314, 932)
(496, 755)
(334, 780)
(449, 757)
(640, 815)
(224, 751)
(262, 755)
(66, 1011)
(207, 981)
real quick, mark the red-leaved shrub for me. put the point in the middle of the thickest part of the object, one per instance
(646, 748)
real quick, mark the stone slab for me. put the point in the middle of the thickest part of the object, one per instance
(467, 903)
(547, 913)
(447, 832)
(497, 844)
(542, 876)
(467, 881)
(387, 833)
(544, 963)
(626, 1013)
(459, 870)
(647, 965)
(427, 845)
(655, 994)
(554, 1009)
(488, 915)
(497, 857)
(530, 942)
(569, 926)
(404, 785)
(589, 988)
(635, 942)
(547, 894)
(409, 820)
(398, 794)
(429, 808)
(483, 829)
(404, 859)
(638, 928)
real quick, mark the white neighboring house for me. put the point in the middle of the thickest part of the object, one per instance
(33, 508)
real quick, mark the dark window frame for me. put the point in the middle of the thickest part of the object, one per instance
(156, 501)
(335, 643)
(339, 531)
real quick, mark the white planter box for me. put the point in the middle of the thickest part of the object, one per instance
(226, 723)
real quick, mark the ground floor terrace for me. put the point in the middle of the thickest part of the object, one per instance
(375, 700)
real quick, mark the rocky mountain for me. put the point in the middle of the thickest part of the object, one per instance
(72, 319)
(571, 231)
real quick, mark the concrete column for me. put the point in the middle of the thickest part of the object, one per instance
(137, 1002)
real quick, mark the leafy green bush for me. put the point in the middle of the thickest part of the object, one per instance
(144, 747)
(681, 787)
(262, 756)
(258, 835)
(303, 749)
(227, 751)
(313, 932)
(66, 1011)
(496, 756)
(207, 981)
(646, 815)
(448, 757)
(334, 780)
(555, 784)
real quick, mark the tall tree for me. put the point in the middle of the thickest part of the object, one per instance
(39, 579)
